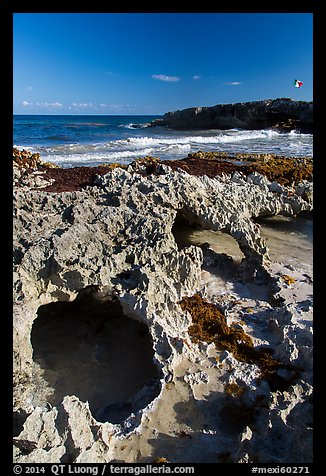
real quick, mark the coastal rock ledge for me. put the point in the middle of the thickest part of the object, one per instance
(125, 350)
(281, 114)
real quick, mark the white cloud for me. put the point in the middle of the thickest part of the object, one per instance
(101, 107)
(56, 105)
(196, 76)
(43, 105)
(164, 77)
(122, 107)
(82, 105)
(29, 88)
(233, 83)
(49, 105)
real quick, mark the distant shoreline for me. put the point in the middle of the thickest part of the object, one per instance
(282, 114)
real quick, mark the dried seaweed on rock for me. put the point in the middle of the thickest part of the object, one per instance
(210, 325)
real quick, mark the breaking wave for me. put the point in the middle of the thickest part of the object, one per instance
(174, 145)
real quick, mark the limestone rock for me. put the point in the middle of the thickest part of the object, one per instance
(106, 257)
(281, 113)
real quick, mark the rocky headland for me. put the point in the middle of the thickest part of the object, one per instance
(125, 349)
(282, 114)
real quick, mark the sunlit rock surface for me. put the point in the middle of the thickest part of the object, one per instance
(105, 365)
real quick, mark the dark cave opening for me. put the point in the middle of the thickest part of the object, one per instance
(19, 418)
(89, 348)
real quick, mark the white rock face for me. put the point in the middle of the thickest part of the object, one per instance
(113, 245)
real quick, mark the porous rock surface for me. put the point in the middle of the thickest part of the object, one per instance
(114, 241)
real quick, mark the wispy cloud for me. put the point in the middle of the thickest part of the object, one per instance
(121, 107)
(81, 105)
(164, 77)
(28, 88)
(233, 83)
(42, 105)
(196, 76)
(102, 107)
(49, 105)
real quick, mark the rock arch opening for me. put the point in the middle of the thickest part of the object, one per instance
(219, 248)
(89, 348)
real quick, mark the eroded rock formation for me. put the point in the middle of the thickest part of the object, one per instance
(99, 276)
(283, 114)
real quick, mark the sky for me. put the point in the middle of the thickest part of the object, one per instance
(152, 63)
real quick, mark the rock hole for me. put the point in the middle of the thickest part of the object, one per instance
(89, 348)
(19, 418)
(221, 251)
(223, 259)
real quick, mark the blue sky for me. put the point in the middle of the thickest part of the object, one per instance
(151, 63)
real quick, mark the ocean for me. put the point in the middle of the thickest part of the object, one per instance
(72, 140)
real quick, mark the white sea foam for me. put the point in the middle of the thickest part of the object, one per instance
(220, 138)
(132, 125)
(174, 145)
(24, 147)
(135, 143)
(88, 158)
